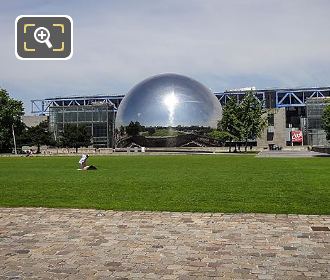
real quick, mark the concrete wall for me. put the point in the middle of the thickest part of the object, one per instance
(30, 121)
(279, 130)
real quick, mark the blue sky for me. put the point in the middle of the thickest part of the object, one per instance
(223, 44)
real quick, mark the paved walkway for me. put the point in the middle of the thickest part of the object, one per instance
(288, 153)
(90, 244)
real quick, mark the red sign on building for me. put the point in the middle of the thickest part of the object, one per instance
(297, 136)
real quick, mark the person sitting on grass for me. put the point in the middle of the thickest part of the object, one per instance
(83, 162)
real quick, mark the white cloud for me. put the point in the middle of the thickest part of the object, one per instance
(223, 44)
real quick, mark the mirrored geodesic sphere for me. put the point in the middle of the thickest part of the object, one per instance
(165, 111)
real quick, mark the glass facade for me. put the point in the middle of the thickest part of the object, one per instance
(98, 118)
(315, 107)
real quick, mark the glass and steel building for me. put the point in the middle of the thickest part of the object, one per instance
(315, 107)
(98, 117)
(287, 111)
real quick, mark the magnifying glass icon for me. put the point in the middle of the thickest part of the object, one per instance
(41, 35)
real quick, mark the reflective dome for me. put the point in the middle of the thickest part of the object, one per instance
(167, 105)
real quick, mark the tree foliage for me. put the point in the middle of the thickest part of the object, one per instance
(151, 130)
(75, 136)
(326, 121)
(38, 135)
(230, 122)
(243, 121)
(11, 112)
(221, 136)
(134, 128)
(251, 117)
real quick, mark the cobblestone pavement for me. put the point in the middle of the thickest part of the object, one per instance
(38, 243)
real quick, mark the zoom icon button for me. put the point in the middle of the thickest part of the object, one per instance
(43, 37)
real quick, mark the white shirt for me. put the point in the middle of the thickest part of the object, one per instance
(83, 159)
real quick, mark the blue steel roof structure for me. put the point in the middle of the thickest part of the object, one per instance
(272, 98)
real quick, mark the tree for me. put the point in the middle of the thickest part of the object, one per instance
(220, 136)
(230, 122)
(326, 121)
(38, 135)
(251, 118)
(151, 130)
(242, 121)
(133, 129)
(122, 130)
(75, 136)
(11, 112)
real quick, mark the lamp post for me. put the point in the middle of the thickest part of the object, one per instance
(13, 131)
(291, 129)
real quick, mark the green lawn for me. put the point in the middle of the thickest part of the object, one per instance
(210, 183)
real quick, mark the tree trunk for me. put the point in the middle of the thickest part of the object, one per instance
(38, 148)
(246, 143)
